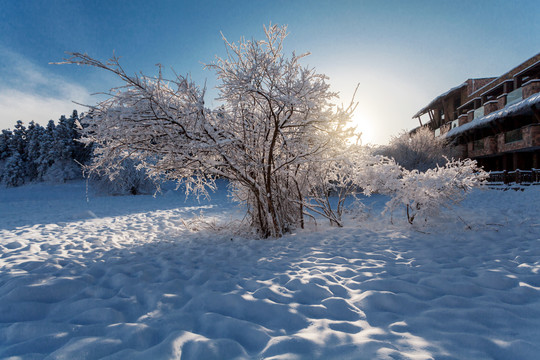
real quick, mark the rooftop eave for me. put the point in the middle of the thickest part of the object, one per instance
(434, 101)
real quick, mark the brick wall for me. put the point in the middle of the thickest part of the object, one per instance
(491, 144)
(470, 115)
(495, 144)
(490, 147)
(501, 101)
(463, 119)
(531, 87)
(534, 131)
(491, 106)
(475, 84)
(503, 147)
(530, 138)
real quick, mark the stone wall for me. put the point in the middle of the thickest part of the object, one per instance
(490, 147)
(531, 87)
(491, 106)
(474, 84)
(495, 144)
(463, 119)
(530, 138)
(470, 115)
(534, 134)
(501, 101)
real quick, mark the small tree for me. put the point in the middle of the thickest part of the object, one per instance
(13, 173)
(424, 194)
(130, 180)
(276, 121)
(420, 150)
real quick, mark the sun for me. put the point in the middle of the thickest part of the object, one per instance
(363, 127)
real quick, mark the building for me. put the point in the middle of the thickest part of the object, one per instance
(495, 121)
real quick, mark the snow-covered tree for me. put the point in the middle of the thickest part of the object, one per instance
(276, 121)
(64, 163)
(421, 193)
(34, 147)
(5, 138)
(14, 171)
(47, 155)
(420, 150)
(354, 170)
(35, 153)
(130, 180)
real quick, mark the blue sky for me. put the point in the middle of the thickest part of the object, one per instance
(403, 53)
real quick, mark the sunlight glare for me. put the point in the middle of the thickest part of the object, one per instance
(363, 127)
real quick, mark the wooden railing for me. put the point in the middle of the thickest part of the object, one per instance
(515, 177)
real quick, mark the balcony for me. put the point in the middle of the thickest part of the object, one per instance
(478, 113)
(514, 96)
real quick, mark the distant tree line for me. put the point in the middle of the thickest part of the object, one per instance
(36, 153)
(54, 154)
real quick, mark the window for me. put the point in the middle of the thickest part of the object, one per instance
(513, 135)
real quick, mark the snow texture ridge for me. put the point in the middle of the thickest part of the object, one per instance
(109, 280)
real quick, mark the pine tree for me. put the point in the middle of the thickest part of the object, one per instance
(5, 139)
(33, 150)
(14, 173)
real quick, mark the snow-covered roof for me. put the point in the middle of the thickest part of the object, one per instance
(422, 111)
(514, 109)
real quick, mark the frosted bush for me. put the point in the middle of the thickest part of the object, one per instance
(126, 180)
(424, 194)
(420, 150)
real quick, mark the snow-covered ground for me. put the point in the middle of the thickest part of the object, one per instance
(123, 278)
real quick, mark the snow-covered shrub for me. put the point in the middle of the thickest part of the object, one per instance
(126, 180)
(420, 150)
(62, 170)
(424, 194)
(357, 170)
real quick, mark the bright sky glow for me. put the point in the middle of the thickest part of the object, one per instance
(403, 54)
